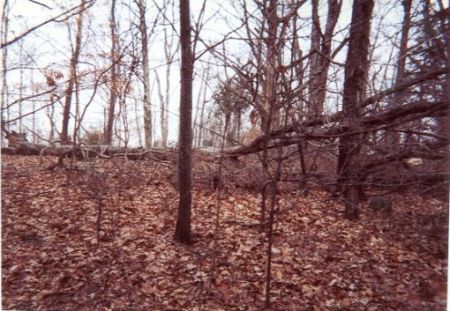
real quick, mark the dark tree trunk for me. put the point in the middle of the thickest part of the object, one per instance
(356, 67)
(73, 76)
(183, 226)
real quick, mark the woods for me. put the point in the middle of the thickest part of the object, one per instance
(272, 154)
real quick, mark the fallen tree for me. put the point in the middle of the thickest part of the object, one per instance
(336, 126)
(83, 152)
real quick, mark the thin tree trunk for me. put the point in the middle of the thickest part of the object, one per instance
(268, 113)
(238, 121)
(113, 86)
(162, 113)
(183, 225)
(196, 129)
(269, 119)
(20, 89)
(137, 118)
(233, 129)
(33, 120)
(165, 108)
(400, 76)
(50, 116)
(202, 113)
(356, 68)
(73, 76)
(77, 121)
(148, 137)
(393, 139)
(321, 54)
(4, 83)
(271, 224)
(169, 54)
(218, 187)
(196, 126)
(314, 60)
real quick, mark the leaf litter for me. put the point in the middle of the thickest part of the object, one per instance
(58, 256)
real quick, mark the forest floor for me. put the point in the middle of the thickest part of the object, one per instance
(52, 258)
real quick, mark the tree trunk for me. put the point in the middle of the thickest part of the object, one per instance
(183, 226)
(162, 108)
(169, 54)
(165, 108)
(33, 103)
(356, 67)
(393, 139)
(4, 83)
(321, 55)
(20, 128)
(196, 124)
(77, 121)
(202, 113)
(113, 86)
(314, 59)
(269, 119)
(443, 122)
(148, 137)
(50, 115)
(73, 76)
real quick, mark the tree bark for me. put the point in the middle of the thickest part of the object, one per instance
(148, 137)
(113, 87)
(321, 54)
(356, 68)
(316, 108)
(183, 225)
(73, 76)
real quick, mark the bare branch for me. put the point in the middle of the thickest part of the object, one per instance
(59, 18)
(41, 4)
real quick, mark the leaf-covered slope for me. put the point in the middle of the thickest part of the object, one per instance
(53, 261)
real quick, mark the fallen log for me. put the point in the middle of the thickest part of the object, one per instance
(85, 152)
